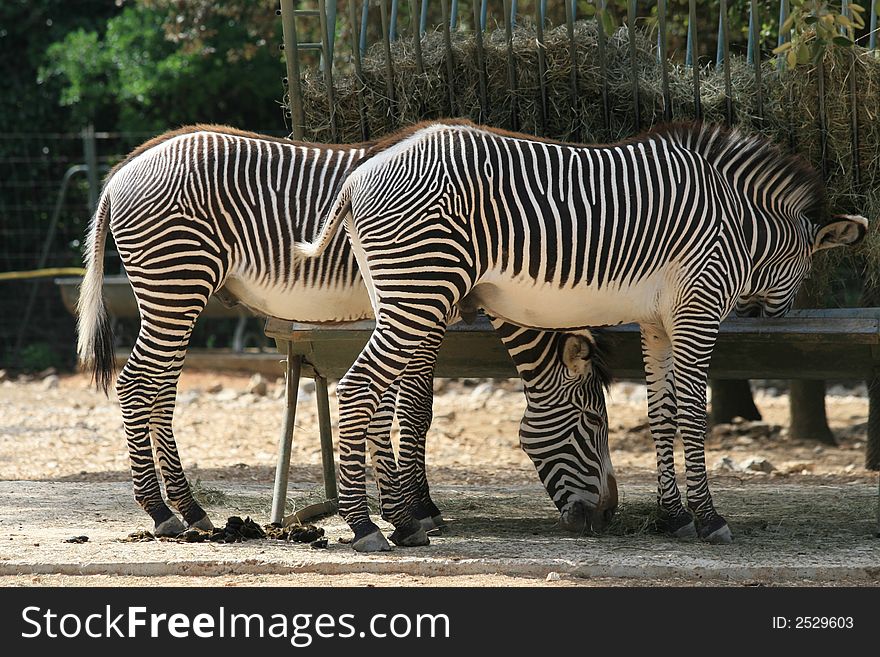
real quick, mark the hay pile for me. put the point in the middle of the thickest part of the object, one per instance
(789, 100)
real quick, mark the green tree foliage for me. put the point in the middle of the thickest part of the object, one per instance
(159, 64)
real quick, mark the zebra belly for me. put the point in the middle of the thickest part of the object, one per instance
(545, 305)
(302, 303)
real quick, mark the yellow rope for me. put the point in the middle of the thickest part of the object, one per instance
(39, 273)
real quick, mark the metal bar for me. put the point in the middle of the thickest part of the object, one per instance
(423, 17)
(331, 23)
(664, 64)
(44, 256)
(750, 48)
(417, 39)
(719, 48)
(325, 428)
(291, 56)
(484, 9)
(91, 159)
(365, 11)
(392, 28)
(389, 67)
(872, 40)
(782, 37)
(543, 10)
(358, 71)
(513, 8)
(633, 65)
(823, 129)
(573, 81)
(694, 52)
(453, 16)
(754, 39)
(481, 64)
(542, 65)
(603, 67)
(327, 69)
(728, 91)
(511, 68)
(854, 105)
(282, 466)
(450, 64)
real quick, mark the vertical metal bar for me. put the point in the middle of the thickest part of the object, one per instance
(823, 130)
(543, 10)
(91, 160)
(450, 64)
(365, 14)
(719, 49)
(542, 65)
(513, 8)
(511, 68)
(282, 465)
(291, 56)
(423, 21)
(725, 41)
(358, 72)
(782, 37)
(481, 64)
(484, 9)
(872, 40)
(453, 16)
(392, 28)
(664, 64)
(633, 65)
(750, 49)
(331, 22)
(689, 48)
(325, 429)
(417, 38)
(572, 49)
(389, 68)
(603, 67)
(754, 39)
(854, 104)
(695, 56)
(327, 66)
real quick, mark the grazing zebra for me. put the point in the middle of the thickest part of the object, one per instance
(211, 210)
(669, 230)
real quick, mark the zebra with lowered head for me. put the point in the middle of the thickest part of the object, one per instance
(212, 210)
(670, 230)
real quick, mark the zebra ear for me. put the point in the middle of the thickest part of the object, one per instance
(576, 353)
(847, 230)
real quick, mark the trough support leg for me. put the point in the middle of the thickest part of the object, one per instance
(326, 430)
(279, 495)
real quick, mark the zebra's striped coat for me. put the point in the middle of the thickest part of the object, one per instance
(669, 230)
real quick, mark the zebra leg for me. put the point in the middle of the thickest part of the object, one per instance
(381, 362)
(415, 413)
(136, 389)
(177, 488)
(691, 356)
(382, 454)
(657, 352)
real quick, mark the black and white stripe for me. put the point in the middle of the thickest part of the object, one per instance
(207, 209)
(669, 230)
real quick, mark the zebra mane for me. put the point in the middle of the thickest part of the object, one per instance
(751, 161)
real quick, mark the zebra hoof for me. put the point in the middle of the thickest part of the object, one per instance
(411, 534)
(717, 532)
(686, 532)
(680, 525)
(368, 538)
(204, 524)
(432, 523)
(170, 527)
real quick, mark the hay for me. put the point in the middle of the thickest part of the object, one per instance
(789, 102)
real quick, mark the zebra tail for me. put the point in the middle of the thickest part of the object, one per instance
(94, 333)
(338, 212)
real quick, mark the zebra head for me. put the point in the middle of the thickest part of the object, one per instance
(565, 432)
(775, 282)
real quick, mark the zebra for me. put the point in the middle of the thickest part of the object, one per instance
(670, 230)
(213, 210)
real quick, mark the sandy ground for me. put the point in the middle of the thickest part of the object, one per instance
(59, 430)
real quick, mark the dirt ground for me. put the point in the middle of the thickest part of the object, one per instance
(57, 429)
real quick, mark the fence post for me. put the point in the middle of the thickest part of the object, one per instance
(91, 160)
(291, 57)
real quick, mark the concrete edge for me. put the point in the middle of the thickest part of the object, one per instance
(515, 568)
